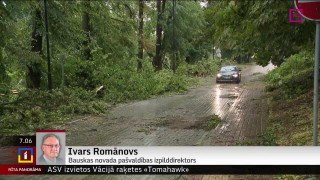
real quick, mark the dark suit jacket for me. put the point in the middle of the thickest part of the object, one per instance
(42, 161)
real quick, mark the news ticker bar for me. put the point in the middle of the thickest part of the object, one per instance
(163, 169)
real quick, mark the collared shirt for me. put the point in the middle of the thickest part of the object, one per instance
(48, 161)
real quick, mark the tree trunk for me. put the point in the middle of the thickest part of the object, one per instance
(162, 33)
(157, 60)
(213, 51)
(188, 59)
(86, 28)
(3, 74)
(140, 36)
(238, 59)
(174, 61)
(34, 68)
(85, 72)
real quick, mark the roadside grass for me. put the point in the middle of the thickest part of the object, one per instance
(290, 123)
(38, 109)
(162, 121)
(267, 138)
(293, 119)
(213, 122)
(146, 131)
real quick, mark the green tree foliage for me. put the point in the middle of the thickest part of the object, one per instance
(100, 43)
(259, 28)
(189, 41)
(189, 44)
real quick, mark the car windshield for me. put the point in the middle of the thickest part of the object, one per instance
(228, 68)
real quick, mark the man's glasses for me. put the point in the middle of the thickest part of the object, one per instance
(51, 146)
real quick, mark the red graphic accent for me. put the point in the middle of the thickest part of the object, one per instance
(52, 131)
(311, 9)
(21, 169)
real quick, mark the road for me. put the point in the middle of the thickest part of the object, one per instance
(180, 120)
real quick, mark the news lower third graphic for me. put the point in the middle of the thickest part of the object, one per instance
(131, 160)
(295, 16)
(25, 155)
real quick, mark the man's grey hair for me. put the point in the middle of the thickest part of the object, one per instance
(49, 135)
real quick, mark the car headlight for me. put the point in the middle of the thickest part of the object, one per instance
(219, 75)
(235, 75)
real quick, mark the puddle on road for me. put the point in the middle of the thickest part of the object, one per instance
(180, 122)
(232, 96)
(225, 98)
(224, 126)
(232, 93)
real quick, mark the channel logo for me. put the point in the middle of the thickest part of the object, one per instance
(295, 16)
(25, 155)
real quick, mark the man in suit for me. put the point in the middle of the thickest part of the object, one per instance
(51, 148)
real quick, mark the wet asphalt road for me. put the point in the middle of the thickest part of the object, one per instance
(181, 119)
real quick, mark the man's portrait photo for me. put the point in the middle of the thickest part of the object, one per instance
(50, 150)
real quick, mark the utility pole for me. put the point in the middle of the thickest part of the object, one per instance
(316, 86)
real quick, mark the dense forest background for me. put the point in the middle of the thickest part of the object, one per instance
(136, 49)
